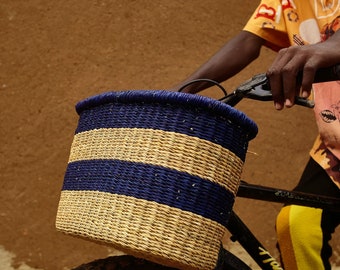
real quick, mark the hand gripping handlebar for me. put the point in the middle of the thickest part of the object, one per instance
(258, 87)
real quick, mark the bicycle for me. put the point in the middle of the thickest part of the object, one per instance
(256, 88)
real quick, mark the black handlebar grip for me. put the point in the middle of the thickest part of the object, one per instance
(328, 74)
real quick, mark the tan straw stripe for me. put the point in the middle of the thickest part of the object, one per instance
(151, 230)
(177, 151)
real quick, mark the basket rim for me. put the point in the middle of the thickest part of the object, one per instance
(178, 99)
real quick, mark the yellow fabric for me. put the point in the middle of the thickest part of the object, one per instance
(287, 22)
(292, 237)
(285, 242)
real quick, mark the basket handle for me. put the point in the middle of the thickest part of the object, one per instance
(204, 80)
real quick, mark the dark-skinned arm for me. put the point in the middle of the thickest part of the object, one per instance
(235, 55)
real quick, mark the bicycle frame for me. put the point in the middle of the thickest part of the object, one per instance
(249, 242)
(240, 232)
(270, 194)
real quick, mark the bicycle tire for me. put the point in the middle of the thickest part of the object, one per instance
(227, 261)
(124, 262)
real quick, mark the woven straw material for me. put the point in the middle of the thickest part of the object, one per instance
(155, 173)
(138, 228)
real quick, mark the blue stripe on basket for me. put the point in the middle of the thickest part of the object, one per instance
(164, 186)
(190, 121)
(181, 100)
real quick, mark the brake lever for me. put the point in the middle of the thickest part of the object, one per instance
(256, 82)
(258, 88)
(244, 90)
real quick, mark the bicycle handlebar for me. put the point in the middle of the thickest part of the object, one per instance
(258, 87)
(328, 74)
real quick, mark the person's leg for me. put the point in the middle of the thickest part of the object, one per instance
(303, 232)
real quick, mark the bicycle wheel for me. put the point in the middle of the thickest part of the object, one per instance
(227, 261)
(124, 262)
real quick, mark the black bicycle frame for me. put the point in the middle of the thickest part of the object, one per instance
(249, 242)
(269, 194)
(240, 232)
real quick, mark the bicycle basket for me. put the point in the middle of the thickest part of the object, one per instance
(155, 174)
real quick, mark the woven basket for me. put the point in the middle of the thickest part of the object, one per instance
(155, 174)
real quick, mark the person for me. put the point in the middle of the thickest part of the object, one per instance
(304, 35)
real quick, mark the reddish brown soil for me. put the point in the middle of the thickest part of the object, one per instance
(55, 53)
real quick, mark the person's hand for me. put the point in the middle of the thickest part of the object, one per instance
(292, 72)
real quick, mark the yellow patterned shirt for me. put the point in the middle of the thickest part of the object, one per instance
(284, 23)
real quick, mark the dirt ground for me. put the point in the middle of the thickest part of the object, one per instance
(55, 53)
